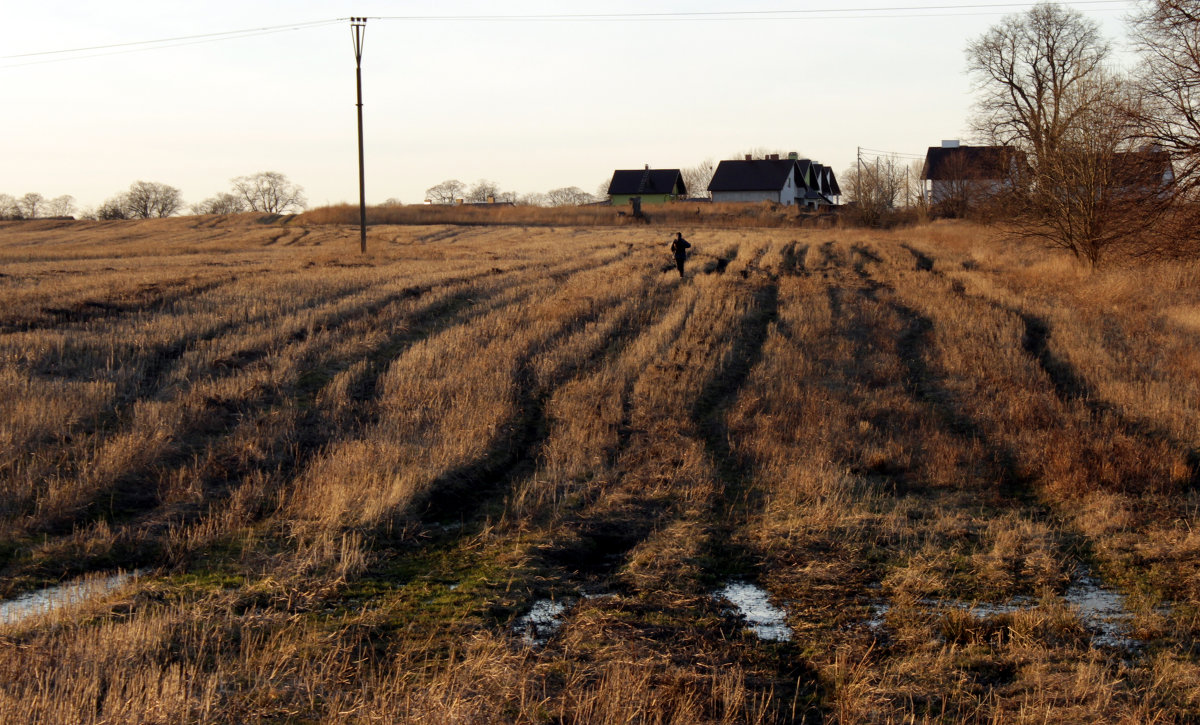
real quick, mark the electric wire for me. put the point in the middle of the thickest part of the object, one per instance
(829, 13)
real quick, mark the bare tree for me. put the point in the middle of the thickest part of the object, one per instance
(113, 208)
(1043, 90)
(874, 188)
(270, 192)
(533, 199)
(152, 199)
(61, 206)
(9, 207)
(1032, 75)
(446, 192)
(31, 205)
(696, 178)
(223, 203)
(483, 191)
(1167, 37)
(568, 196)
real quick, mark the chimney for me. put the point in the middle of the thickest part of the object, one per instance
(749, 157)
(773, 157)
(950, 143)
(793, 156)
(647, 167)
(491, 199)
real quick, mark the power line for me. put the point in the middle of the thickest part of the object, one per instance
(159, 44)
(898, 154)
(678, 15)
(746, 14)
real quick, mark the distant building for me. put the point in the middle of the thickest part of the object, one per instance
(654, 186)
(960, 177)
(956, 176)
(791, 182)
(1146, 173)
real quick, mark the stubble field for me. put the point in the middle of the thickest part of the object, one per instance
(527, 474)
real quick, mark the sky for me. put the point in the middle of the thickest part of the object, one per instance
(469, 89)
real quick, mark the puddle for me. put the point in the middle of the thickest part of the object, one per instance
(878, 620)
(44, 601)
(767, 620)
(541, 622)
(1103, 611)
(1100, 609)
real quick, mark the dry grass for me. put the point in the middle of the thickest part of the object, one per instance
(349, 478)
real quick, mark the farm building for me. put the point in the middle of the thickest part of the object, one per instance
(791, 181)
(654, 186)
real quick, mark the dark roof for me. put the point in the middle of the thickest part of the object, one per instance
(647, 181)
(757, 175)
(1141, 168)
(968, 162)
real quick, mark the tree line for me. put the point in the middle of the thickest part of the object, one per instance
(267, 191)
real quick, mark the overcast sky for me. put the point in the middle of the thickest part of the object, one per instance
(532, 104)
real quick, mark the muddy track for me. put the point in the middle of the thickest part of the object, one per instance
(162, 359)
(925, 387)
(149, 297)
(461, 494)
(127, 502)
(1071, 386)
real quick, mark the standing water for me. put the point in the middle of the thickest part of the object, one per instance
(50, 599)
(767, 620)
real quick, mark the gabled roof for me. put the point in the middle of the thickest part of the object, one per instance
(1142, 168)
(647, 181)
(756, 175)
(963, 163)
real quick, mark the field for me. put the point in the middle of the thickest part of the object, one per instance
(528, 474)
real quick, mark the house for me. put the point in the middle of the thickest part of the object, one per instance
(791, 181)
(1145, 172)
(960, 176)
(654, 186)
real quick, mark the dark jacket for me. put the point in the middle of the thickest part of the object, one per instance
(679, 246)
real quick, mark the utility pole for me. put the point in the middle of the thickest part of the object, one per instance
(358, 26)
(858, 180)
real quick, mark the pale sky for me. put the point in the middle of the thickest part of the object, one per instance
(531, 104)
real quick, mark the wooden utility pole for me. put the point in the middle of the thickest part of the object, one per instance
(358, 26)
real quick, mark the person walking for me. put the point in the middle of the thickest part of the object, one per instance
(679, 247)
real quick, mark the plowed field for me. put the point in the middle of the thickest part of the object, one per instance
(509, 474)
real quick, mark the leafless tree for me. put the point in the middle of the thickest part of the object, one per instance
(696, 178)
(1166, 35)
(113, 208)
(874, 188)
(61, 206)
(1167, 38)
(392, 201)
(151, 199)
(446, 192)
(9, 208)
(482, 191)
(533, 199)
(1043, 89)
(568, 196)
(223, 203)
(270, 192)
(602, 191)
(31, 205)
(1033, 74)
